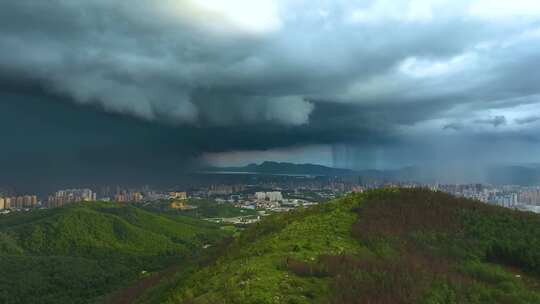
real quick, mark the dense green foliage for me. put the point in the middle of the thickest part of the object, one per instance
(79, 253)
(384, 246)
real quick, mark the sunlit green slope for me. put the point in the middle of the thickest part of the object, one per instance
(385, 246)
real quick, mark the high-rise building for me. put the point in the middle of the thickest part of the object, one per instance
(27, 201)
(19, 202)
(2, 203)
(274, 196)
(529, 197)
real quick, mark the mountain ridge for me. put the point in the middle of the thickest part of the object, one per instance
(272, 167)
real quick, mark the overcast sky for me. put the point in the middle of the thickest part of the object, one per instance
(103, 85)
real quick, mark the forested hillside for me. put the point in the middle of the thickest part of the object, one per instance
(80, 253)
(386, 246)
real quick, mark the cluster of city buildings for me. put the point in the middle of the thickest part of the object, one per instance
(63, 197)
(273, 196)
(128, 196)
(509, 196)
(264, 200)
(276, 194)
(274, 201)
(218, 190)
(529, 196)
(18, 202)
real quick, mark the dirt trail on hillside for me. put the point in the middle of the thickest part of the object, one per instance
(130, 294)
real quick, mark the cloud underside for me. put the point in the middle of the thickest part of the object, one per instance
(301, 73)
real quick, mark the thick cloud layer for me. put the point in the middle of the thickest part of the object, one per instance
(277, 74)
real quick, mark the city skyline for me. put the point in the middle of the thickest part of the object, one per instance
(279, 193)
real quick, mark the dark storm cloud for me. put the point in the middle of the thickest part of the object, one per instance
(140, 60)
(241, 76)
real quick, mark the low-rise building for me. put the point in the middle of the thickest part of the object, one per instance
(178, 195)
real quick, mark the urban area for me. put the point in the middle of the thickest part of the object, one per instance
(269, 196)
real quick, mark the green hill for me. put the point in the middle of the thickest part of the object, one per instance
(385, 246)
(79, 253)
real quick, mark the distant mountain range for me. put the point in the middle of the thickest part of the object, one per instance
(516, 174)
(270, 167)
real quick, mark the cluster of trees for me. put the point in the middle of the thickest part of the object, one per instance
(430, 247)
